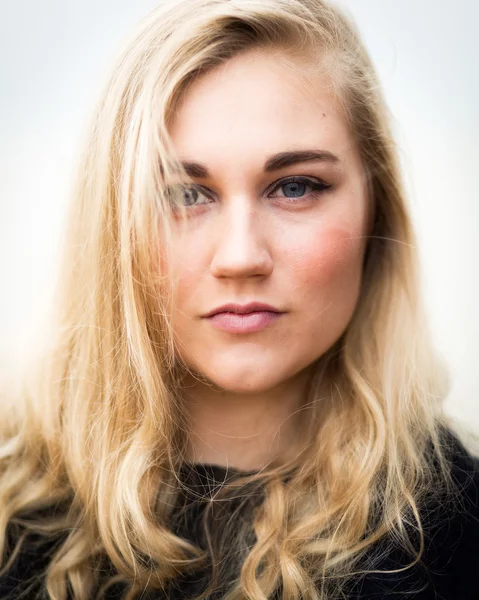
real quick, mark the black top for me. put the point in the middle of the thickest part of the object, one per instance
(449, 570)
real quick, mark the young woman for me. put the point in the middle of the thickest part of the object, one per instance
(241, 399)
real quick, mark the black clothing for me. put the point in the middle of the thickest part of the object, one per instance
(450, 562)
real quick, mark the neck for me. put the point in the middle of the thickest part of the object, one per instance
(244, 430)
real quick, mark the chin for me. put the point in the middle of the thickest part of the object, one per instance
(233, 379)
(243, 385)
(247, 378)
(246, 371)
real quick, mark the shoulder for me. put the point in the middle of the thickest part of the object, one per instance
(449, 566)
(452, 528)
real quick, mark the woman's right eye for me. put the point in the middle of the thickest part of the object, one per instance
(184, 195)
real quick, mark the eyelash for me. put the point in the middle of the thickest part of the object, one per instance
(318, 187)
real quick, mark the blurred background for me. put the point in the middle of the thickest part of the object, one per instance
(54, 57)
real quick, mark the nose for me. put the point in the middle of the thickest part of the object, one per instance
(241, 248)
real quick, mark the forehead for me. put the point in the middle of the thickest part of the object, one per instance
(257, 103)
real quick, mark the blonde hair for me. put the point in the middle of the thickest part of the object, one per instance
(99, 431)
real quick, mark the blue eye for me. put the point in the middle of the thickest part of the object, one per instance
(183, 195)
(190, 195)
(297, 185)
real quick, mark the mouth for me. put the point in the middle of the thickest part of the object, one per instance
(252, 307)
(249, 322)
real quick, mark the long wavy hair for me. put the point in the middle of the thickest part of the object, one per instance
(94, 440)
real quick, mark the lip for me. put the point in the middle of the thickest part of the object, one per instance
(242, 309)
(243, 322)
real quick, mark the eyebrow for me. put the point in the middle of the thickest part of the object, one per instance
(273, 163)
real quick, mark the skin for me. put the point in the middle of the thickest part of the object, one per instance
(248, 239)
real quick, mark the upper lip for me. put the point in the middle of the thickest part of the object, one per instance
(242, 308)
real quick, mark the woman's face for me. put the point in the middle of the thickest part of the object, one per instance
(265, 224)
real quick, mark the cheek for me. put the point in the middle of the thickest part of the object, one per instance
(186, 284)
(329, 257)
(325, 273)
(187, 269)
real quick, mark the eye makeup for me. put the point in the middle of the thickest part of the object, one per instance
(177, 192)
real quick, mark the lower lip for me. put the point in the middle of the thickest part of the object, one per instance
(247, 323)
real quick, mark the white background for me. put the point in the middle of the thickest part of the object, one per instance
(55, 54)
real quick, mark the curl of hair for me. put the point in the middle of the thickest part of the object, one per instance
(99, 431)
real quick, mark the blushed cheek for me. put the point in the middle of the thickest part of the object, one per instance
(331, 257)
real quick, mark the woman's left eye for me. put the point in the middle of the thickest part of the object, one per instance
(296, 187)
